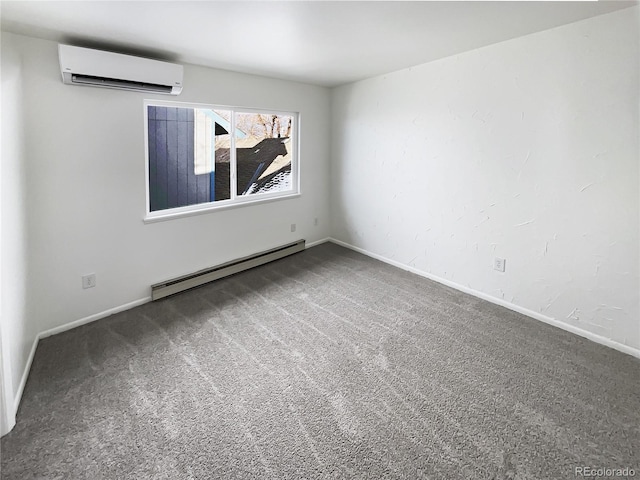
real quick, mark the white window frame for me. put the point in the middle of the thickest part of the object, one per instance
(235, 200)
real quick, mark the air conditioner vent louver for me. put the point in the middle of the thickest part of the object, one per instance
(115, 83)
(97, 68)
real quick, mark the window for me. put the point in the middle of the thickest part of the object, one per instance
(203, 157)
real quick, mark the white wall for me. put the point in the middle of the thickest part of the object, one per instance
(526, 150)
(16, 334)
(85, 189)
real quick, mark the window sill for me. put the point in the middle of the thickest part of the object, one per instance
(181, 212)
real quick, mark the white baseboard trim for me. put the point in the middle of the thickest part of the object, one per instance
(25, 375)
(8, 420)
(93, 318)
(318, 242)
(64, 328)
(498, 301)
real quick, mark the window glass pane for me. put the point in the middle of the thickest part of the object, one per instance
(188, 156)
(204, 142)
(218, 125)
(263, 152)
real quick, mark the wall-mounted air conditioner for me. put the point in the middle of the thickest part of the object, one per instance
(97, 68)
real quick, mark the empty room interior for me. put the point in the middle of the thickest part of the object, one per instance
(320, 240)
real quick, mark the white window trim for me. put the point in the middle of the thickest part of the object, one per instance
(235, 201)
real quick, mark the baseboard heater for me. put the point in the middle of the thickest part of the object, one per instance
(185, 282)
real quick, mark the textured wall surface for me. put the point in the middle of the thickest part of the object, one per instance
(84, 182)
(525, 150)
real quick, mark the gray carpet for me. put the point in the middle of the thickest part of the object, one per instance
(327, 364)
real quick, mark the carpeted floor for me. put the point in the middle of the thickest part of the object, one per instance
(327, 364)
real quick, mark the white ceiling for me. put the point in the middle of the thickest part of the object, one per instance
(324, 43)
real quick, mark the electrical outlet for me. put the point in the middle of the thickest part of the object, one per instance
(89, 281)
(499, 264)
(293, 227)
(315, 221)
